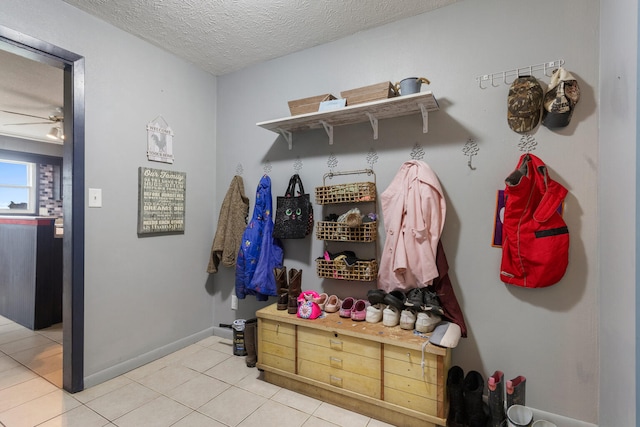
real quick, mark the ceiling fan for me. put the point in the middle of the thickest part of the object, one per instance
(56, 131)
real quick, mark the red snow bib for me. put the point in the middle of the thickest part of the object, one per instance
(535, 239)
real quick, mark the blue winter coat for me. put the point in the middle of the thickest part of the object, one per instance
(259, 252)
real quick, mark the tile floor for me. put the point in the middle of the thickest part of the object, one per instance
(200, 385)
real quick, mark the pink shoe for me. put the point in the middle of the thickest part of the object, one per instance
(359, 311)
(347, 307)
(333, 304)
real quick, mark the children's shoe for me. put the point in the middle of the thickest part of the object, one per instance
(359, 312)
(408, 319)
(390, 316)
(321, 300)
(376, 296)
(333, 304)
(427, 321)
(414, 298)
(374, 313)
(431, 302)
(396, 299)
(347, 306)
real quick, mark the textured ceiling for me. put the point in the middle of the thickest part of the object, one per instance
(219, 36)
(222, 36)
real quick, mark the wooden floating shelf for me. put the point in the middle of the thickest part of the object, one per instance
(422, 102)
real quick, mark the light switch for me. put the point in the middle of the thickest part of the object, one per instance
(95, 197)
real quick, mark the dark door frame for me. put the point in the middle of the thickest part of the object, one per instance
(73, 196)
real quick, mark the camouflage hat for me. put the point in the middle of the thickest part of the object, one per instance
(560, 100)
(524, 104)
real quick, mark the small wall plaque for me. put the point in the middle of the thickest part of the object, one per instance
(159, 141)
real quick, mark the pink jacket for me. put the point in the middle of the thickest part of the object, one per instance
(414, 208)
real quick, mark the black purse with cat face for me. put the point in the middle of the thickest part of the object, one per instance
(294, 212)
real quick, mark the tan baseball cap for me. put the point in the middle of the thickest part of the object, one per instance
(560, 100)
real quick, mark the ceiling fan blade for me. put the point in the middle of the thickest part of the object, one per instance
(27, 115)
(22, 124)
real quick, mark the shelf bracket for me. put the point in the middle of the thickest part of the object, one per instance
(425, 118)
(288, 136)
(374, 125)
(329, 130)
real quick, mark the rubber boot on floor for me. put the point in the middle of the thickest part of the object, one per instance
(516, 391)
(251, 342)
(457, 417)
(495, 384)
(474, 406)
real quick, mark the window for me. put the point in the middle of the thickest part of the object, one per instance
(17, 187)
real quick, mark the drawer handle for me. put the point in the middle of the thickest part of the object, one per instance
(335, 345)
(335, 381)
(334, 362)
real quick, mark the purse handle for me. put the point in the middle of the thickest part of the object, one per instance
(295, 180)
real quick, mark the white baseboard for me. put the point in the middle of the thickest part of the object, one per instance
(143, 359)
(559, 420)
(223, 332)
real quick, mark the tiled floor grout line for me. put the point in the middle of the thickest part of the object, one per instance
(244, 384)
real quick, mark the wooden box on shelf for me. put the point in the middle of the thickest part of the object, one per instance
(369, 93)
(308, 105)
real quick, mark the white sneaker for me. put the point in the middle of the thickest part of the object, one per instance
(374, 313)
(390, 316)
(407, 319)
(427, 321)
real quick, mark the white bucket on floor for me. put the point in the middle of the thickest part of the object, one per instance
(519, 416)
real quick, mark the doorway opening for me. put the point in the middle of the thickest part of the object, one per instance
(73, 194)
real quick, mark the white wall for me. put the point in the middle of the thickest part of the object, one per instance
(548, 335)
(617, 211)
(143, 296)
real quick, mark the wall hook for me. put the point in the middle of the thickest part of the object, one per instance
(297, 165)
(417, 153)
(470, 149)
(519, 72)
(267, 167)
(527, 143)
(481, 78)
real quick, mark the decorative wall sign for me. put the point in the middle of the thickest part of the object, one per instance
(161, 201)
(159, 141)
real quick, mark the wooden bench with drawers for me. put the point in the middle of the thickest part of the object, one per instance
(382, 372)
